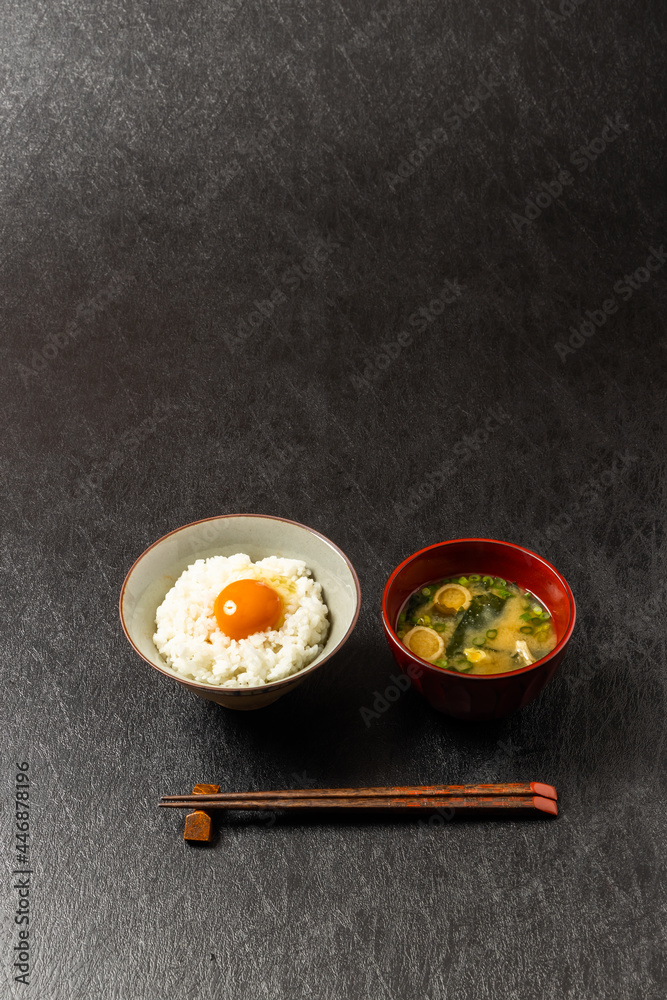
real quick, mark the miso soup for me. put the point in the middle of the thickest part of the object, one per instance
(476, 624)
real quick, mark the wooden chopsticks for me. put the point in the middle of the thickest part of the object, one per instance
(531, 796)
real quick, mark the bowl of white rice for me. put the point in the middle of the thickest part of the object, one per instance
(168, 606)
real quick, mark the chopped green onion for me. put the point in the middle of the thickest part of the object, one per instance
(464, 668)
(401, 633)
(479, 640)
(474, 578)
(526, 616)
(491, 633)
(536, 621)
(526, 629)
(442, 662)
(500, 582)
(537, 609)
(426, 592)
(462, 580)
(488, 580)
(545, 616)
(439, 627)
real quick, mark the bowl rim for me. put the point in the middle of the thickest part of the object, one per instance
(245, 691)
(481, 677)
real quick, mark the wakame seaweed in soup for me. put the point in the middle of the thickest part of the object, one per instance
(476, 625)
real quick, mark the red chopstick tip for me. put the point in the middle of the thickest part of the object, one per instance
(546, 791)
(545, 805)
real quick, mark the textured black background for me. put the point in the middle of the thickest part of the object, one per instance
(165, 166)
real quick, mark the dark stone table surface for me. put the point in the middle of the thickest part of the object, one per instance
(287, 258)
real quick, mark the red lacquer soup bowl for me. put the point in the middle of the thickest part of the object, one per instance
(479, 696)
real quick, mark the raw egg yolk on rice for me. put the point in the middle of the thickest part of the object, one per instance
(247, 606)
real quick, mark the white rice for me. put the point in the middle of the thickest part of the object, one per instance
(192, 644)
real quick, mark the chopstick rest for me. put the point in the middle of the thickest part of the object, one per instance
(198, 824)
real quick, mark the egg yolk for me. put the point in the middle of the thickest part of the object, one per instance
(245, 607)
